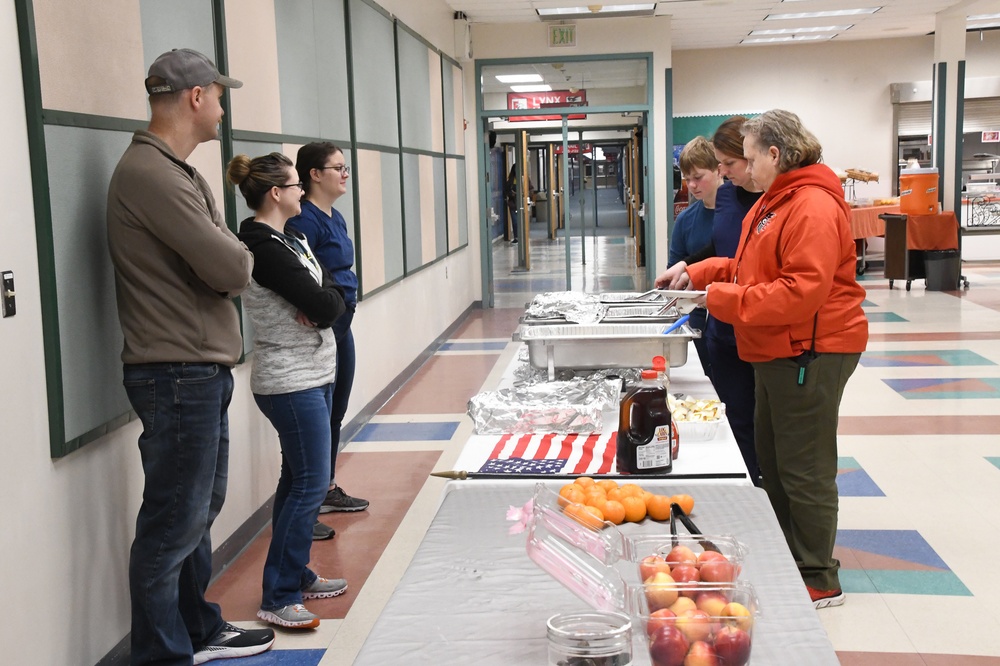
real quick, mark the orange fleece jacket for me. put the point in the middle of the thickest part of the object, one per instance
(796, 258)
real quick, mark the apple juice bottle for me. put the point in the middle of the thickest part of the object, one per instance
(645, 437)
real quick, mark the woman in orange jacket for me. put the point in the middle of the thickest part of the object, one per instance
(793, 299)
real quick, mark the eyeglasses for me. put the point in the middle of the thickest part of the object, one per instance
(298, 185)
(342, 169)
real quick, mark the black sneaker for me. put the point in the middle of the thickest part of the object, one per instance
(234, 642)
(322, 532)
(338, 500)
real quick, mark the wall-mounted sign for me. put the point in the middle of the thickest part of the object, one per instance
(991, 137)
(546, 100)
(562, 35)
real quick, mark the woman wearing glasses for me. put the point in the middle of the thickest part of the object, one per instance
(292, 302)
(324, 173)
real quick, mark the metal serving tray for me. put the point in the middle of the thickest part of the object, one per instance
(604, 346)
(656, 313)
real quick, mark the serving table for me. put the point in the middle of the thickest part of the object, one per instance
(471, 595)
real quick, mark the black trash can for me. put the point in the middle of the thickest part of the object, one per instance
(943, 269)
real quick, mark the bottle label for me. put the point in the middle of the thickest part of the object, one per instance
(657, 452)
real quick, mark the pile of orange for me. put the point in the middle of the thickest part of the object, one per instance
(593, 502)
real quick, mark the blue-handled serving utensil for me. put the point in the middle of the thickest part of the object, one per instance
(677, 324)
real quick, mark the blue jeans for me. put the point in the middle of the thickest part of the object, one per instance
(346, 362)
(302, 419)
(185, 457)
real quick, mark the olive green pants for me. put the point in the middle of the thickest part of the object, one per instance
(795, 427)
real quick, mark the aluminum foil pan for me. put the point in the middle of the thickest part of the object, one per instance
(573, 306)
(573, 406)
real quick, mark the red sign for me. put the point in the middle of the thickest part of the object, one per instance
(574, 148)
(546, 100)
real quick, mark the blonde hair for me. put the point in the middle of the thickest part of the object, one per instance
(797, 146)
(698, 154)
(255, 177)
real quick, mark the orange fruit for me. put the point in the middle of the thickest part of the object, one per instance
(658, 507)
(573, 493)
(635, 509)
(584, 515)
(615, 494)
(584, 481)
(597, 513)
(630, 489)
(595, 499)
(686, 503)
(608, 484)
(614, 512)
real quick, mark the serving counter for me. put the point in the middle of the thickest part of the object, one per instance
(471, 595)
(539, 454)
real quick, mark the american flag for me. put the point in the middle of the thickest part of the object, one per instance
(553, 454)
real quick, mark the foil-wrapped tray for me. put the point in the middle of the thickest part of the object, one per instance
(604, 346)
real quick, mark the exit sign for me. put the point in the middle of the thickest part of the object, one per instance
(562, 35)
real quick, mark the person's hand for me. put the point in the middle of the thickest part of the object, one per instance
(702, 301)
(675, 277)
(304, 320)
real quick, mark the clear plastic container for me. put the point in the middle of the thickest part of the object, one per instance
(715, 626)
(592, 638)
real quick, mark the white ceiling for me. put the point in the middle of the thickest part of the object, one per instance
(698, 24)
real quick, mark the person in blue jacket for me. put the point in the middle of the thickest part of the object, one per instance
(693, 228)
(732, 377)
(324, 172)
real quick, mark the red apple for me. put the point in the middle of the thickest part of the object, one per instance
(733, 646)
(659, 618)
(709, 555)
(686, 573)
(652, 564)
(695, 625)
(701, 654)
(661, 591)
(681, 554)
(668, 647)
(737, 615)
(718, 571)
(682, 604)
(712, 602)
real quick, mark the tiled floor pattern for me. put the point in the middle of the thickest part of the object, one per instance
(919, 481)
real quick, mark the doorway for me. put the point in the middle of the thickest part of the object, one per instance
(564, 188)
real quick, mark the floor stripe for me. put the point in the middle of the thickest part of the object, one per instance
(406, 432)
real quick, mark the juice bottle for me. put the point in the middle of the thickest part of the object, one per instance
(645, 439)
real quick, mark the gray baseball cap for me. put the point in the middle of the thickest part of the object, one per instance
(181, 69)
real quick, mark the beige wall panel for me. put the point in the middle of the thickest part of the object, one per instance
(207, 159)
(437, 112)
(253, 59)
(452, 174)
(428, 214)
(459, 110)
(90, 57)
(369, 174)
(290, 150)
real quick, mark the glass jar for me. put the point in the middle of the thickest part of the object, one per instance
(590, 638)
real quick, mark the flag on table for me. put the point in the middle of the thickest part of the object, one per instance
(550, 453)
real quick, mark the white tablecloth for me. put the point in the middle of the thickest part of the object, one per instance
(471, 595)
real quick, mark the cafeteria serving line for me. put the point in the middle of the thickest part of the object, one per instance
(918, 462)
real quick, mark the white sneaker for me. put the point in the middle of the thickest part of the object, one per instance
(293, 616)
(323, 588)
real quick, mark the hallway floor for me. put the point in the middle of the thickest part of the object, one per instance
(919, 473)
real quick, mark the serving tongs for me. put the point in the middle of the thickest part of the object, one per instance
(677, 513)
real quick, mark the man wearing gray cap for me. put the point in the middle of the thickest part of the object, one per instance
(177, 266)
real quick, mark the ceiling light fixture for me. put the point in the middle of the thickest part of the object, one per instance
(590, 11)
(786, 38)
(826, 14)
(796, 31)
(539, 88)
(983, 17)
(519, 78)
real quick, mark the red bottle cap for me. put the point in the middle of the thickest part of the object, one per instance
(659, 363)
(650, 374)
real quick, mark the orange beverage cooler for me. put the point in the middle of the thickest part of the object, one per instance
(918, 191)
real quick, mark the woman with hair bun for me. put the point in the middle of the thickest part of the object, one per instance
(292, 302)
